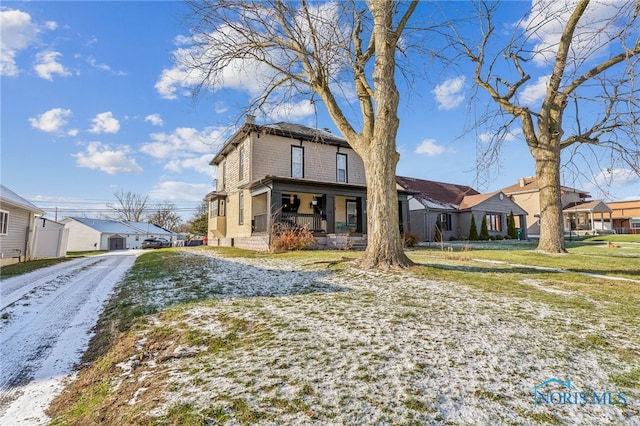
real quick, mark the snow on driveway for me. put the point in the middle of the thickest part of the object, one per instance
(46, 319)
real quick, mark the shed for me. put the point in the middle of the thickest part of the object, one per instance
(86, 234)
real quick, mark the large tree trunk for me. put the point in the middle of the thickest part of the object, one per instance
(384, 246)
(551, 220)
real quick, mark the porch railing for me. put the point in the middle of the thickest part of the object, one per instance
(312, 222)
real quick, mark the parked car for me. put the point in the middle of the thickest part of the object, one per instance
(155, 243)
(164, 242)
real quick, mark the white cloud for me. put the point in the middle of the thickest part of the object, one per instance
(449, 94)
(105, 123)
(430, 148)
(154, 119)
(291, 112)
(17, 32)
(101, 157)
(509, 136)
(94, 63)
(179, 191)
(72, 132)
(183, 142)
(242, 74)
(198, 164)
(51, 121)
(173, 79)
(534, 92)
(548, 18)
(47, 65)
(614, 178)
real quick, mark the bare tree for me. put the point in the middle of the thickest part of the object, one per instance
(590, 103)
(129, 206)
(324, 50)
(165, 216)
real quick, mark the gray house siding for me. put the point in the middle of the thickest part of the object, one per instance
(17, 236)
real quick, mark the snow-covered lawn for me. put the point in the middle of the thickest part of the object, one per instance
(273, 340)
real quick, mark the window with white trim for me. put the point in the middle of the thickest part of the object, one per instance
(241, 164)
(297, 161)
(341, 167)
(4, 222)
(494, 222)
(241, 210)
(445, 221)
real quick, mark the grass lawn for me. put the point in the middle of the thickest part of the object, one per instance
(205, 336)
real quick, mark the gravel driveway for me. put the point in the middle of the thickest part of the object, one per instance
(46, 317)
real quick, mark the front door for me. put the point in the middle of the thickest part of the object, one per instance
(116, 243)
(352, 216)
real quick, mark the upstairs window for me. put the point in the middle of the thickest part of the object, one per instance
(297, 161)
(241, 164)
(341, 167)
(224, 174)
(213, 208)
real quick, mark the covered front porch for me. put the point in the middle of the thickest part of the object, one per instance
(588, 218)
(326, 209)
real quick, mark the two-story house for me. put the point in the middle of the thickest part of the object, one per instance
(288, 173)
(580, 214)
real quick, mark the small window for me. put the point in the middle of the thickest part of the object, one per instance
(297, 161)
(341, 167)
(221, 208)
(241, 210)
(224, 174)
(4, 222)
(494, 222)
(445, 221)
(241, 164)
(213, 208)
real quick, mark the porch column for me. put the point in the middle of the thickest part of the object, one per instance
(331, 214)
(403, 206)
(593, 223)
(360, 215)
(276, 205)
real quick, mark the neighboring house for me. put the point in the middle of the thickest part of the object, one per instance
(87, 234)
(17, 222)
(454, 205)
(625, 216)
(581, 215)
(288, 173)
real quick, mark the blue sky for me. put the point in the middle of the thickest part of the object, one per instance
(91, 106)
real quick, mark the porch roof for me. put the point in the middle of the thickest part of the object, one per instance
(309, 184)
(594, 206)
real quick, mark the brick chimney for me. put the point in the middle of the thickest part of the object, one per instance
(521, 182)
(250, 119)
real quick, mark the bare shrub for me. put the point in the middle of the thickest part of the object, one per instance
(286, 237)
(409, 239)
